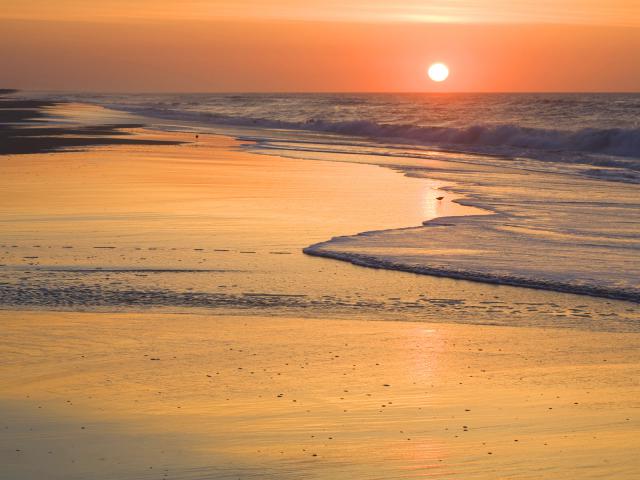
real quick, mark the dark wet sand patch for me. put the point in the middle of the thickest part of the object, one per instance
(19, 135)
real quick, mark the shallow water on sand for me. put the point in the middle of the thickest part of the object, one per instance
(548, 226)
(208, 225)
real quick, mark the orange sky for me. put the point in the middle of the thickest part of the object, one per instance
(313, 45)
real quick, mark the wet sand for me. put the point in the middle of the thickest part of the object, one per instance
(36, 126)
(203, 396)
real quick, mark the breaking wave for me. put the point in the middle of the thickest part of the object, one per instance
(610, 147)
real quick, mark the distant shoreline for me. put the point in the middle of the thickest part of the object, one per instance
(26, 128)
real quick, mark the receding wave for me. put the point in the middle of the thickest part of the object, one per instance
(324, 249)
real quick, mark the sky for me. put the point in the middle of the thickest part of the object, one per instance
(314, 45)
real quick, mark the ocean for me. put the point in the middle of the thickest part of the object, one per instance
(600, 132)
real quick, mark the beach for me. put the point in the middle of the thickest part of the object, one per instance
(160, 319)
(148, 395)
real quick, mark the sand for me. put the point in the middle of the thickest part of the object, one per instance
(203, 396)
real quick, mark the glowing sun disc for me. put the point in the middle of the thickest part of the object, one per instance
(438, 72)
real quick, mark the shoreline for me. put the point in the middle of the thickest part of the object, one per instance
(376, 263)
(438, 219)
(491, 215)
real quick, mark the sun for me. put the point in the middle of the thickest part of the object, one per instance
(438, 72)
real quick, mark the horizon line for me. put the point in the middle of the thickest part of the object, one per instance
(317, 92)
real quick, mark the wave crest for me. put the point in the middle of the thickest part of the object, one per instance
(498, 138)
